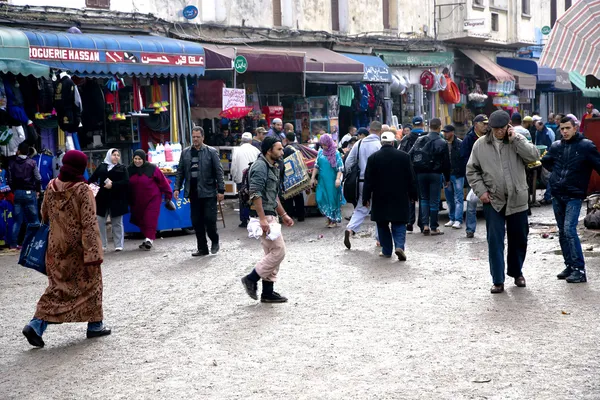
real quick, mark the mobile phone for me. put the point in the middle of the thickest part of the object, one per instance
(506, 137)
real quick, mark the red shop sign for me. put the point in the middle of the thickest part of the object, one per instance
(154, 59)
(55, 53)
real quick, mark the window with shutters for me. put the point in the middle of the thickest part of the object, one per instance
(495, 22)
(276, 12)
(98, 4)
(335, 15)
(526, 7)
(386, 14)
(567, 4)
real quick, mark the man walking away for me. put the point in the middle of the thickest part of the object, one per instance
(260, 133)
(516, 122)
(479, 129)
(406, 144)
(264, 195)
(200, 169)
(455, 196)
(26, 183)
(242, 157)
(570, 162)
(430, 160)
(294, 206)
(496, 172)
(390, 186)
(367, 146)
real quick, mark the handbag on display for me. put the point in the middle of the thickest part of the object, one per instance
(35, 245)
(169, 205)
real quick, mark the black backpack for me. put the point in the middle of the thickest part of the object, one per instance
(422, 155)
(351, 184)
(244, 191)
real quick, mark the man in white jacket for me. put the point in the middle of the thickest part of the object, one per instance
(367, 146)
(242, 157)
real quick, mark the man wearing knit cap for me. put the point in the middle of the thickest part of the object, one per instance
(497, 173)
(276, 129)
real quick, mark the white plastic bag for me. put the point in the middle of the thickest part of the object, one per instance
(472, 197)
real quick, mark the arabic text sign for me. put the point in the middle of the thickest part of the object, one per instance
(234, 98)
(474, 24)
(168, 59)
(55, 53)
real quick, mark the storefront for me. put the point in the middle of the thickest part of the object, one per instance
(585, 94)
(408, 95)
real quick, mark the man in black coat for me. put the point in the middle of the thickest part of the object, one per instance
(390, 186)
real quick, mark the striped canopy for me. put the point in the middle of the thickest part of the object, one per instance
(574, 43)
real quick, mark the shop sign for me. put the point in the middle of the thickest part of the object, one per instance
(125, 57)
(234, 98)
(190, 12)
(474, 24)
(54, 53)
(240, 64)
(546, 30)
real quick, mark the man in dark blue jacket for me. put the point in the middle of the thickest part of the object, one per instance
(570, 161)
(479, 129)
(406, 144)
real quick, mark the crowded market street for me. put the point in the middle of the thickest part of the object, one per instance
(356, 325)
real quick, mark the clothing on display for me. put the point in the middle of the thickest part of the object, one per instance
(67, 103)
(346, 95)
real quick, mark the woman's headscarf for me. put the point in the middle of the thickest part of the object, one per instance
(146, 168)
(73, 168)
(108, 158)
(331, 151)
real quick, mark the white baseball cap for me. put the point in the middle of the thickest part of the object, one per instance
(246, 136)
(536, 118)
(277, 121)
(388, 137)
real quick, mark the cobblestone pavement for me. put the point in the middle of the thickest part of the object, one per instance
(356, 326)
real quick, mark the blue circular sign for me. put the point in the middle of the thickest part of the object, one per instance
(190, 12)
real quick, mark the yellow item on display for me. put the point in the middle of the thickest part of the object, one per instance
(174, 125)
(61, 138)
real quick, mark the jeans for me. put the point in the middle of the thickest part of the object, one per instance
(397, 233)
(517, 229)
(548, 192)
(117, 230)
(39, 326)
(566, 212)
(244, 207)
(429, 190)
(359, 214)
(26, 210)
(472, 216)
(204, 221)
(455, 191)
(294, 206)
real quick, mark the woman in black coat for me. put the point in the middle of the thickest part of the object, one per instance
(113, 180)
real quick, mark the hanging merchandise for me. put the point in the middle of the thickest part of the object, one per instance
(157, 103)
(451, 95)
(346, 95)
(439, 83)
(68, 109)
(114, 84)
(427, 80)
(477, 96)
(364, 98)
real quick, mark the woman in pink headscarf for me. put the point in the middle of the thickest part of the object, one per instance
(330, 167)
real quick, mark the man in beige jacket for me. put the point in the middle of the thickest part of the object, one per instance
(496, 172)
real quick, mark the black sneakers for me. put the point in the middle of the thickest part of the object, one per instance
(565, 273)
(200, 253)
(33, 338)
(577, 276)
(250, 287)
(273, 297)
(214, 248)
(401, 255)
(94, 334)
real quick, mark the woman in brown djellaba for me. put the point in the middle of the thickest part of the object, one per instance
(73, 256)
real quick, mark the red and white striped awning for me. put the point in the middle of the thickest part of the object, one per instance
(574, 43)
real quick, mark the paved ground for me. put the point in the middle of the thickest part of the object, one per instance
(356, 326)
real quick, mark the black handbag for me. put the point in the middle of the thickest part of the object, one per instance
(351, 181)
(169, 205)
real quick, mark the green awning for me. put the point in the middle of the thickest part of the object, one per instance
(432, 59)
(579, 80)
(14, 55)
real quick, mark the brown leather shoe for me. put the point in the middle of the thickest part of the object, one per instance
(497, 289)
(520, 281)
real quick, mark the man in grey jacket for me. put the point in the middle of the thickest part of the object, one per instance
(201, 170)
(367, 146)
(496, 173)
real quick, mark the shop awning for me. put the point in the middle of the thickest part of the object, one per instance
(431, 59)
(14, 55)
(491, 67)
(375, 69)
(101, 55)
(579, 81)
(524, 81)
(543, 74)
(563, 82)
(324, 65)
(592, 82)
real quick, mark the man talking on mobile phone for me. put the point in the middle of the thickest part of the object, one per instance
(497, 173)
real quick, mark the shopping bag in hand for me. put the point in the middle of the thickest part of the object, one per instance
(35, 244)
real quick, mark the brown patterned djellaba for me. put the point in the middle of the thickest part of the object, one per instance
(74, 255)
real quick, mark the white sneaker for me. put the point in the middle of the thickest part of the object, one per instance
(449, 224)
(119, 249)
(457, 225)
